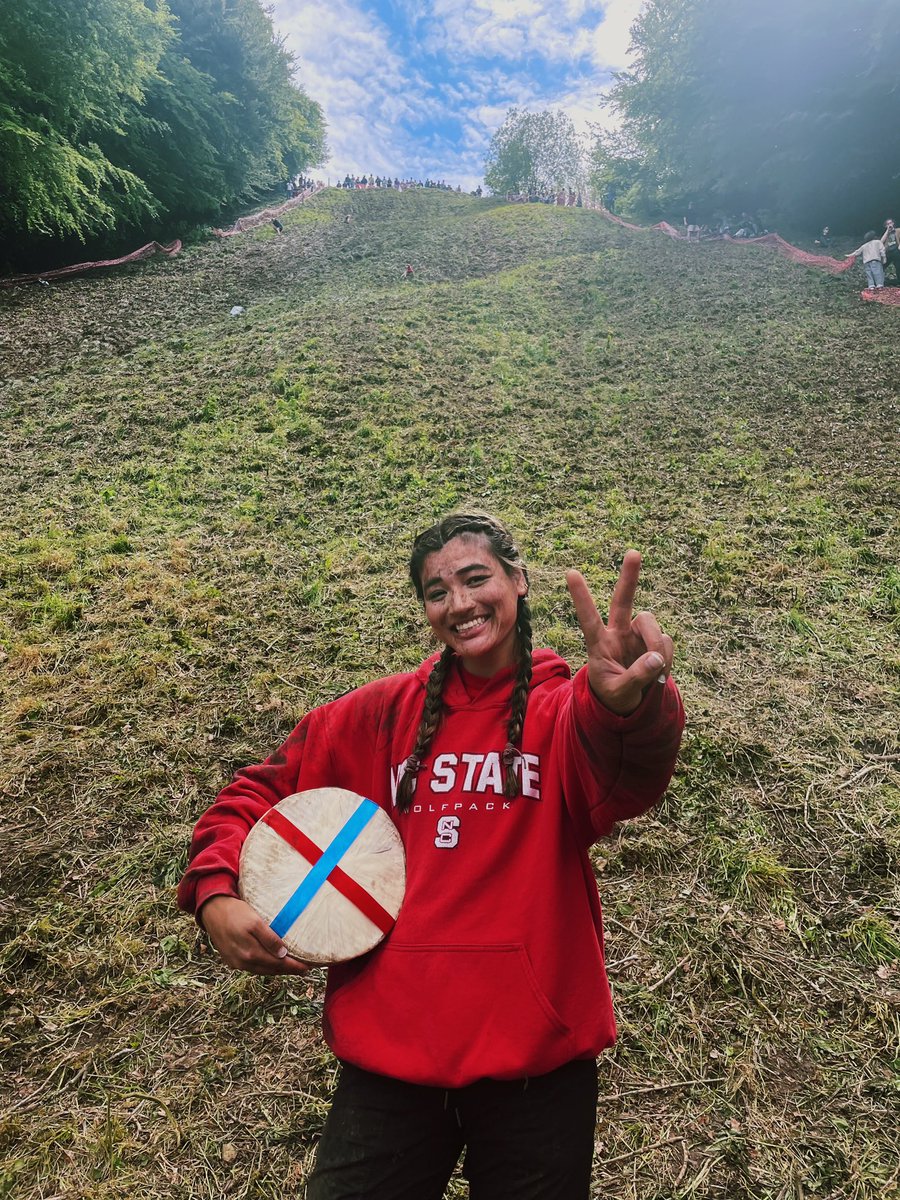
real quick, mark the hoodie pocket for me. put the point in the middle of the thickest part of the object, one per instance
(448, 1014)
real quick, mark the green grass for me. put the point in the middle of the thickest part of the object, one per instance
(203, 533)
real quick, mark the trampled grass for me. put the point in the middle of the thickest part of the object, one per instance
(204, 527)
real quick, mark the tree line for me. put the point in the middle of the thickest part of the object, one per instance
(534, 153)
(133, 114)
(790, 109)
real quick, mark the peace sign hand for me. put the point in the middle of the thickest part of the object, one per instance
(627, 654)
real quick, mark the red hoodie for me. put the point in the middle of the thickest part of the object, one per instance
(494, 968)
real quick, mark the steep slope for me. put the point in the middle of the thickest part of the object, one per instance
(204, 526)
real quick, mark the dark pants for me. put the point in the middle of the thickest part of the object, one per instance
(529, 1139)
(893, 258)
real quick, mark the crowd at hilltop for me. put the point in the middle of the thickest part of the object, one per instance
(296, 185)
(401, 185)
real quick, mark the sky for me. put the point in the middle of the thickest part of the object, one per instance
(417, 88)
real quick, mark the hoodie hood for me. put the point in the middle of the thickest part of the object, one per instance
(545, 665)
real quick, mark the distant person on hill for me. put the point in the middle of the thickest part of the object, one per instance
(874, 257)
(277, 225)
(824, 238)
(476, 1025)
(408, 273)
(691, 229)
(891, 247)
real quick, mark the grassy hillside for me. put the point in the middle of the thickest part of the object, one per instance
(203, 532)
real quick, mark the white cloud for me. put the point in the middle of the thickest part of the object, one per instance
(546, 29)
(556, 31)
(585, 108)
(381, 106)
(611, 39)
(346, 62)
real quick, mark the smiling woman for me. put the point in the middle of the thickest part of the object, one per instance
(476, 1023)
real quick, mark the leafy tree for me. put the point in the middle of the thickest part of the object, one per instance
(616, 161)
(307, 143)
(534, 152)
(791, 107)
(70, 73)
(115, 113)
(268, 120)
(175, 141)
(223, 121)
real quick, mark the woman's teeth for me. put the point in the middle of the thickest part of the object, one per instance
(473, 624)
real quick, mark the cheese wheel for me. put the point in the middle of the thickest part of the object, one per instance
(326, 869)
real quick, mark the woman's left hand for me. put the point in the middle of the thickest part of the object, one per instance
(627, 654)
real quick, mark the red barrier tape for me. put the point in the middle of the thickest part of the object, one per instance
(61, 272)
(834, 266)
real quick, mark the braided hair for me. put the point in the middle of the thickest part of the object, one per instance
(507, 554)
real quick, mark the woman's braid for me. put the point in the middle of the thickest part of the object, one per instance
(431, 718)
(519, 701)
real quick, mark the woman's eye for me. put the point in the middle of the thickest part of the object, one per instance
(475, 580)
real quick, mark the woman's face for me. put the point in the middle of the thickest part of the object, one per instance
(471, 602)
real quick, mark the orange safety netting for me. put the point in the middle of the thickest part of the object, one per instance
(883, 295)
(661, 226)
(156, 248)
(611, 216)
(77, 268)
(242, 224)
(834, 266)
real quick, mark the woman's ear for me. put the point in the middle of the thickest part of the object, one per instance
(521, 583)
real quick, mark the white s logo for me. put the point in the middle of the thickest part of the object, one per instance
(447, 833)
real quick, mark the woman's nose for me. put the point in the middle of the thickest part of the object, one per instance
(460, 600)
